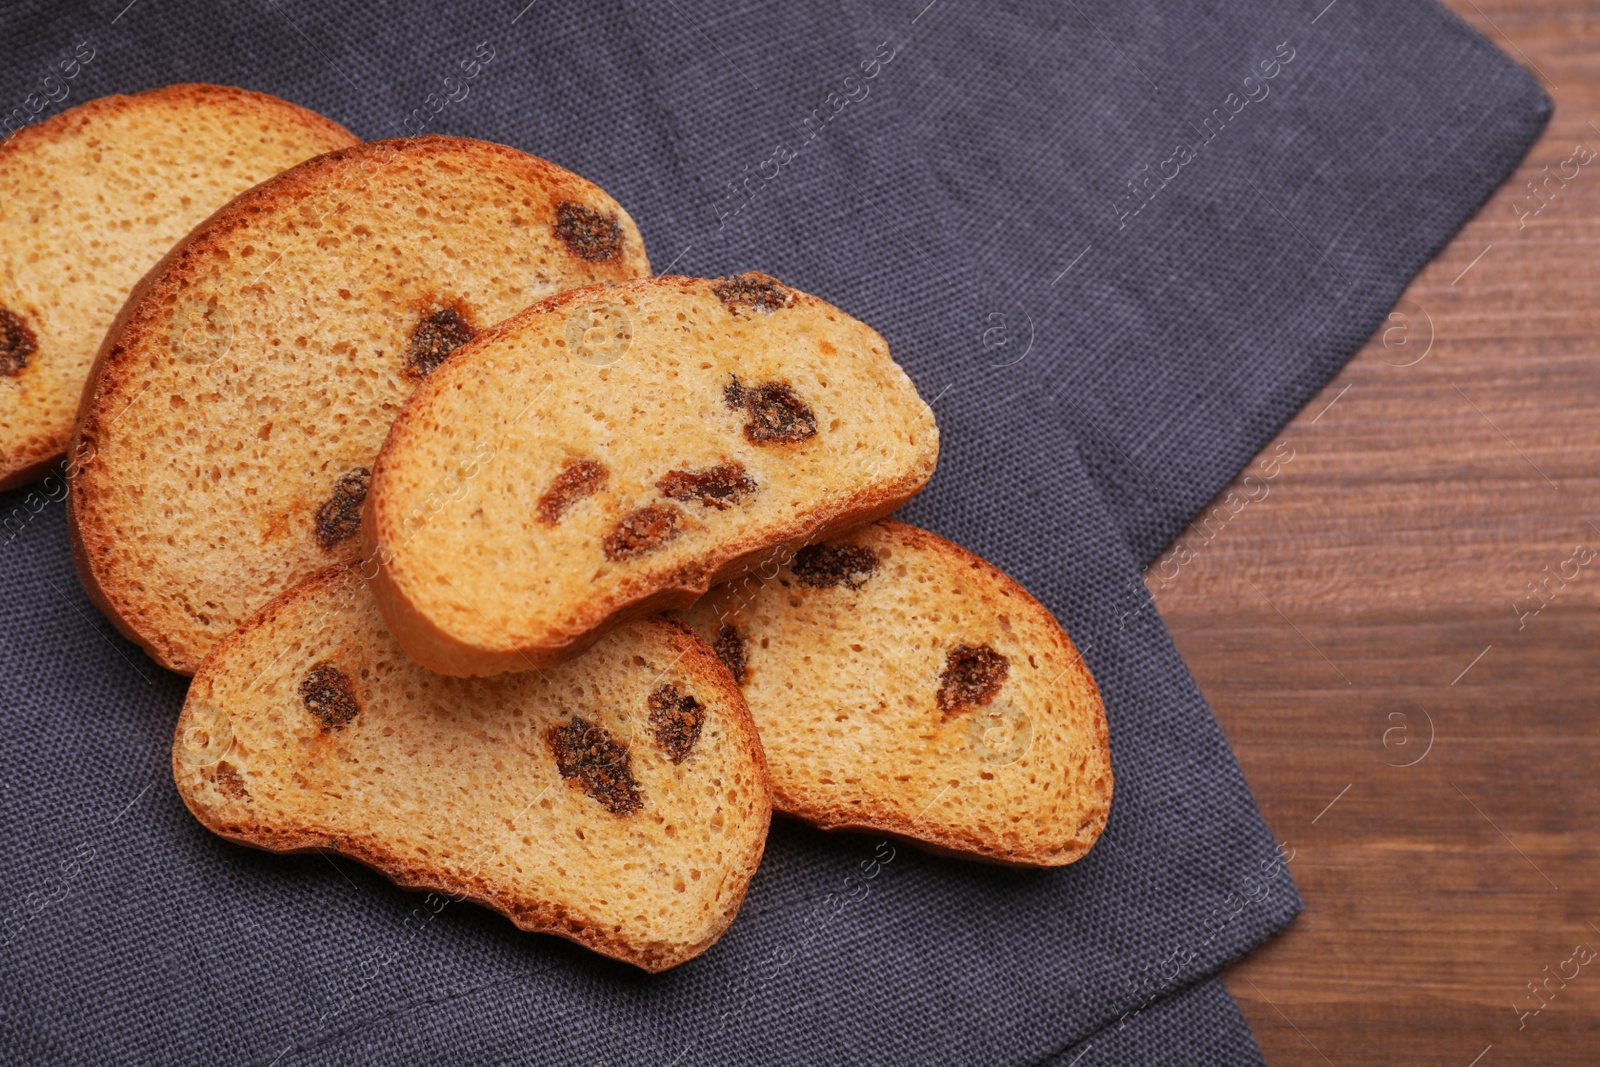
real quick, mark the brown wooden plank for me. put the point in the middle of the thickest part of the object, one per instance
(1332, 621)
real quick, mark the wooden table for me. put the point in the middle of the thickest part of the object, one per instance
(1379, 598)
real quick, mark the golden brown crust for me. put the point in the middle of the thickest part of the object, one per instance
(198, 94)
(18, 476)
(111, 388)
(26, 461)
(82, 539)
(533, 915)
(443, 652)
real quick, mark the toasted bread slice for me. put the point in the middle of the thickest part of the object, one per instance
(620, 801)
(613, 452)
(228, 432)
(903, 686)
(90, 199)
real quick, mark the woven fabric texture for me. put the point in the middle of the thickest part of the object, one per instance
(1115, 245)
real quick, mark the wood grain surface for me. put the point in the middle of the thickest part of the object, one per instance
(1402, 638)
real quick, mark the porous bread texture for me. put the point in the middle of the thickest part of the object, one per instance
(90, 199)
(614, 452)
(234, 412)
(452, 785)
(850, 687)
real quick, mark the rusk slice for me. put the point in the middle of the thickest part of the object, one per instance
(613, 452)
(903, 686)
(89, 200)
(228, 432)
(620, 801)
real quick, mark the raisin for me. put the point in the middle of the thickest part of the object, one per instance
(716, 487)
(329, 695)
(231, 782)
(973, 674)
(434, 338)
(676, 718)
(589, 234)
(17, 343)
(825, 566)
(642, 531)
(730, 649)
(754, 291)
(339, 517)
(602, 768)
(578, 479)
(776, 414)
